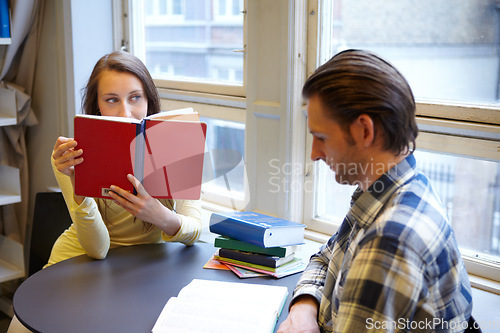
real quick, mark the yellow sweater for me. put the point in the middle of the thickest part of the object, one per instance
(90, 235)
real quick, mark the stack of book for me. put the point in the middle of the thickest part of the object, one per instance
(258, 243)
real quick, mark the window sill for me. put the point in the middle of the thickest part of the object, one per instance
(203, 98)
(485, 310)
(316, 236)
(482, 283)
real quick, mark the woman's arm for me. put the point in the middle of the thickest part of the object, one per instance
(183, 226)
(91, 231)
(189, 212)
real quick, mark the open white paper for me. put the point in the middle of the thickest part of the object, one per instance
(219, 307)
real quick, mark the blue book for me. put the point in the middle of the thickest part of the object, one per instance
(257, 229)
(4, 19)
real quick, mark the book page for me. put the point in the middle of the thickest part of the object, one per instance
(187, 114)
(220, 307)
(173, 160)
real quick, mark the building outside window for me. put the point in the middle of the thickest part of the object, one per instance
(198, 46)
(194, 40)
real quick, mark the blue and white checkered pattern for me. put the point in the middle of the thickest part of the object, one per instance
(393, 265)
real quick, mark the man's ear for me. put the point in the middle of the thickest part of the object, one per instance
(363, 130)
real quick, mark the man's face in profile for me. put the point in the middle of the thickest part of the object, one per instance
(332, 144)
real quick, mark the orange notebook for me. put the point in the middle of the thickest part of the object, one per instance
(164, 151)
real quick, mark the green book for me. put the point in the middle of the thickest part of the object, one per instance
(233, 244)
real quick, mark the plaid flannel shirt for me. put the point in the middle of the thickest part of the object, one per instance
(393, 265)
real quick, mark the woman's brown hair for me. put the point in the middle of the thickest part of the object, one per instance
(124, 62)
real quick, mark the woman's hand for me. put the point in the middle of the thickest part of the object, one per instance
(66, 156)
(145, 207)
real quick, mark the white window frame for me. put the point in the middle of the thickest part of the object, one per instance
(467, 129)
(218, 101)
(130, 12)
(230, 109)
(229, 103)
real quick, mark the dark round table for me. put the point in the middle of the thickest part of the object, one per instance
(123, 293)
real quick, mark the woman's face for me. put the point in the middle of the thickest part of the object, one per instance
(121, 94)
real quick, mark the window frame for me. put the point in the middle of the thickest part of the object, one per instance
(213, 100)
(470, 129)
(229, 103)
(229, 109)
(131, 13)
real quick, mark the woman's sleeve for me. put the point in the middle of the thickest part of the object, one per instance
(91, 231)
(190, 213)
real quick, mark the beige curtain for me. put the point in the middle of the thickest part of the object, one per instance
(17, 74)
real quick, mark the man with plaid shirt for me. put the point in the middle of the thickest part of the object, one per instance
(394, 263)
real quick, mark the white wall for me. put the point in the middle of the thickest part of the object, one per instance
(92, 37)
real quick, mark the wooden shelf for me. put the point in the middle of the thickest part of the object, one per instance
(11, 259)
(9, 272)
(8, 107)
(9, 198)
(11, 252)
(6, 120)
(10, 185)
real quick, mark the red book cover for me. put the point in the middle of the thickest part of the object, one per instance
(165, 155)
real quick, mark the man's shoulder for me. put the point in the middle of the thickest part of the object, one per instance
(417, 198)
(413, 216)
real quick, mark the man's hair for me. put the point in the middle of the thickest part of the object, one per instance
(123, 62)
(356, 82)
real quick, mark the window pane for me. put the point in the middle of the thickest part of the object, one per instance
(333, 199)
(177, 7)
(446, 49)
(236, 7)
(222, 7)
(224, 171)
(189, 44)
(469, 189)
(162, 7)
(149, 8)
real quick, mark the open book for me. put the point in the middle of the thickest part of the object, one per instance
(222, 307)
(163, 151)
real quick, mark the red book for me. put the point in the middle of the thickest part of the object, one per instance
(164, 151)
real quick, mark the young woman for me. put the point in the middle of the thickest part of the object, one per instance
(120, 85)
